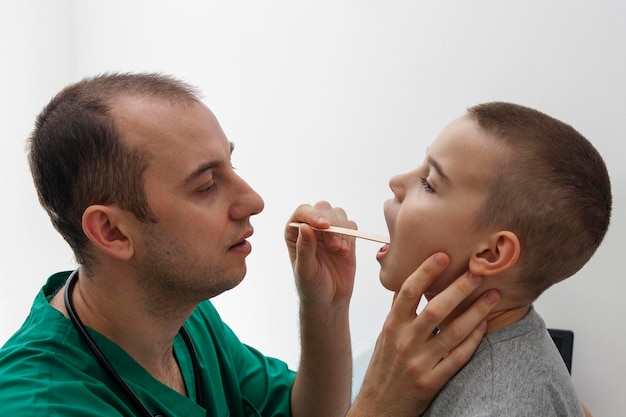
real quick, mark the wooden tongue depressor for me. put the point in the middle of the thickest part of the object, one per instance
(349, 232)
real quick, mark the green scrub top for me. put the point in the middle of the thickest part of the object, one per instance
(46, 369)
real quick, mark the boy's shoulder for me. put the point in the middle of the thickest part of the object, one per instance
(515, 371)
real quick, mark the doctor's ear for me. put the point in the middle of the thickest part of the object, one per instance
(106, 228)
(497, 254)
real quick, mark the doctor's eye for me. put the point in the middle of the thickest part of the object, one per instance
(427, 185)
(207, 187)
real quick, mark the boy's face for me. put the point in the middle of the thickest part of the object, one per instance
(435, 206)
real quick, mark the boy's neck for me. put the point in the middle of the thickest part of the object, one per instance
(503, 318)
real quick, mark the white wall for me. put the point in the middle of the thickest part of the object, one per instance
(327, 100)
(36, 45)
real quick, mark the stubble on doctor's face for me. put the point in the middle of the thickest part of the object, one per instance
(435, 206)
(199, 244)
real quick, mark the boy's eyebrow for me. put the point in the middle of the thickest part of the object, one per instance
(204, 167)
(438, 168)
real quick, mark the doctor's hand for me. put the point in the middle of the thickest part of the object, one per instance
(410, 364)
(324, 263)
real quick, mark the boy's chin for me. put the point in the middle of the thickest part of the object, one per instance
(387, 283)
(389, 287)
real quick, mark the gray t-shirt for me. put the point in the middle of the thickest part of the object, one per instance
(516, 371)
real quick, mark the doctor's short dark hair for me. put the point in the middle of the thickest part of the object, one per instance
(553, 190)
(78, 158)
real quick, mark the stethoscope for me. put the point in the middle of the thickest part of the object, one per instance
(104, 362)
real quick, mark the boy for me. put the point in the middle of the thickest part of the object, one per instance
(522, 200)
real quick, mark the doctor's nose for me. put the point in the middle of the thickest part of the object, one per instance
(247, 202)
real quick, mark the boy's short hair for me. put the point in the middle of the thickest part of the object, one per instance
(78, 158)
(553, 192)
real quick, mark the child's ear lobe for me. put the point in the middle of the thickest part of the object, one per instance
(105, 228)
(499, 253)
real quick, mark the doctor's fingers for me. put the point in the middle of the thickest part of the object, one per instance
(462, 326)
(443, 304)
(321, 215)
(457, 342)
(406, 300)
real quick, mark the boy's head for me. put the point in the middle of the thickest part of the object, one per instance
(509, 193)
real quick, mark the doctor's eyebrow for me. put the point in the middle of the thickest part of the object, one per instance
(206, 166)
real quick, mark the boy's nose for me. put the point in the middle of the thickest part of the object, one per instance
(397, 186)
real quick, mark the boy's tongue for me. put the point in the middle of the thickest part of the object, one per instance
(382, 251)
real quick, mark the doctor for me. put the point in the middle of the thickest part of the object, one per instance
(135, 173)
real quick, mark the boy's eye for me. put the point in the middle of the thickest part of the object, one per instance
(427, 185)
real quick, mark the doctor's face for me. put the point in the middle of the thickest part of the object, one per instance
(434, 206)
(198, 245)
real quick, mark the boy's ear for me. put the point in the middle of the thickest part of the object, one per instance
(106, 228)
(499, 253)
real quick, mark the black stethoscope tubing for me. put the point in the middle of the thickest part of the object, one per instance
(104, 362)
